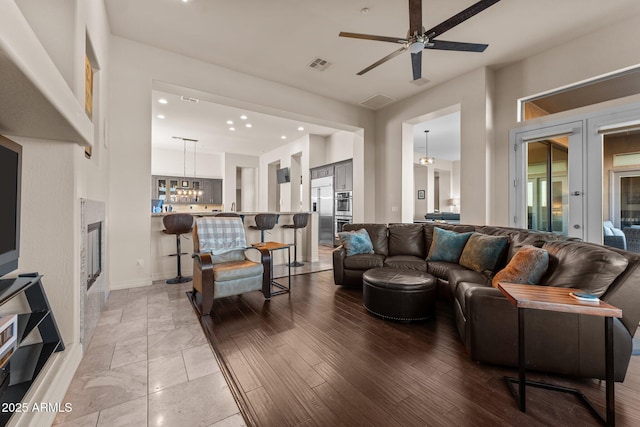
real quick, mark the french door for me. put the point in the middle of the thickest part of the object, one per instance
(547, 192)
(570, 177)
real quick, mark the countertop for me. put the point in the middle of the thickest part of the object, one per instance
(209, 213)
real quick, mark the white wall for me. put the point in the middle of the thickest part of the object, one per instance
(231, 164)
(135, 68)
(171, 162)
(394, 147)
(577, 60)
(339, 146)
(282, 155)
(55, 176)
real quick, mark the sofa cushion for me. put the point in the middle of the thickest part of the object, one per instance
(363, 261)
(483, 252)
(527, 267)
(447, 245)
(377, 234)
(428, 230)
(408, 262)
(441, 269)
(356, 242)
(582, 265)
(406, 239)
(234, 270)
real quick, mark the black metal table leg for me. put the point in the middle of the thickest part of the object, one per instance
(611, 405)
(521, 361)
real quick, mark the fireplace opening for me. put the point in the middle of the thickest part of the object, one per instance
(94, 255)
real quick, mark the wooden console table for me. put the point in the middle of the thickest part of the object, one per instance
(558, 299)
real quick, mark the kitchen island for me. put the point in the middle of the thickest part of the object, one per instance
(163, 266)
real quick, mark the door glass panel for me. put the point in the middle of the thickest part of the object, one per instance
(548, 205)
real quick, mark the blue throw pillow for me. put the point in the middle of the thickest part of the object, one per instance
(356, 242)
(447, 245)
(483, 252)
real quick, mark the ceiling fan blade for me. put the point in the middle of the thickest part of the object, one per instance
(372, 37)
(415, 17)
(463, 47)
(383, 60)
(459, 18)
(416, 64)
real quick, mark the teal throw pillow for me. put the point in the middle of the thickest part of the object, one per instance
(483, 252)
(356, 242)
(447, 245)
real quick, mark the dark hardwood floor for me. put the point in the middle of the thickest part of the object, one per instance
(316, 357)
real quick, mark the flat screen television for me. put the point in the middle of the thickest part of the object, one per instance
(10, 176)
(283, 175)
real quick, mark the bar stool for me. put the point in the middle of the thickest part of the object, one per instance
(265, 221)
(178, 224)
(300, 220)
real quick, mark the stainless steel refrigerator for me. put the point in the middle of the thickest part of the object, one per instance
(322, 202)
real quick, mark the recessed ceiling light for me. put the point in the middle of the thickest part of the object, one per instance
(248, 125)
(160, 116)
(229, 122)
(243, 117)
(283, 137)
(163, 101)
(185, 1)
(232, 128)
(300, 128)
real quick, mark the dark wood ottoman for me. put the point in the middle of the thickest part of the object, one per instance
(399, 294)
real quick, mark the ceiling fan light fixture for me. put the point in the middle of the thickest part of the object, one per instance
(417, 46)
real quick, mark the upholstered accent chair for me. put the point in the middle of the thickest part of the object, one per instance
(220, 265)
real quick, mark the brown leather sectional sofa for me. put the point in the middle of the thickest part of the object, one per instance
(562, 343)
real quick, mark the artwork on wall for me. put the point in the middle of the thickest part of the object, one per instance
(421, 194)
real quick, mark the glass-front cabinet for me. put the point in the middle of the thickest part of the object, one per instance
(186, 190)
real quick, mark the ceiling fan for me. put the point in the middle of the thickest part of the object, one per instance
(418, 38)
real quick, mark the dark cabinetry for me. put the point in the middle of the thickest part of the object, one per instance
(172, 189)
(26, 361)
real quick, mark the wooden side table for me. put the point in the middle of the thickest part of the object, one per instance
(558, 299)
(274, 246)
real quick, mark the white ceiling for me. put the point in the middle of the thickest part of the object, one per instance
(207, 123)
(277, 39)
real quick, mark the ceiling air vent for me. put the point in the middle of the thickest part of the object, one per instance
(377, 101)
(189, 99)
(420, 82)
(319, 64)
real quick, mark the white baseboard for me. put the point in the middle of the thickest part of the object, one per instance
(114, 286)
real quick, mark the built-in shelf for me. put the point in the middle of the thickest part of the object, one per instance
(36, 100)
(27, 361)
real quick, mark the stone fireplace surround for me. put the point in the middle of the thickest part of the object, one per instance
(92, 300)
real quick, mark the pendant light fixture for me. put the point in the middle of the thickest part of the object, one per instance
(187, 189)
(426, 160)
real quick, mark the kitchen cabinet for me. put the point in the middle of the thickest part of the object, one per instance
(166, 188)
(23, 362)
(344, 176)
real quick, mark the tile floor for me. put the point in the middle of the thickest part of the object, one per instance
(149, 363)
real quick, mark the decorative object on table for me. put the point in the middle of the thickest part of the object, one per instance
(421, 194)
(8, 337)
(418, 38)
